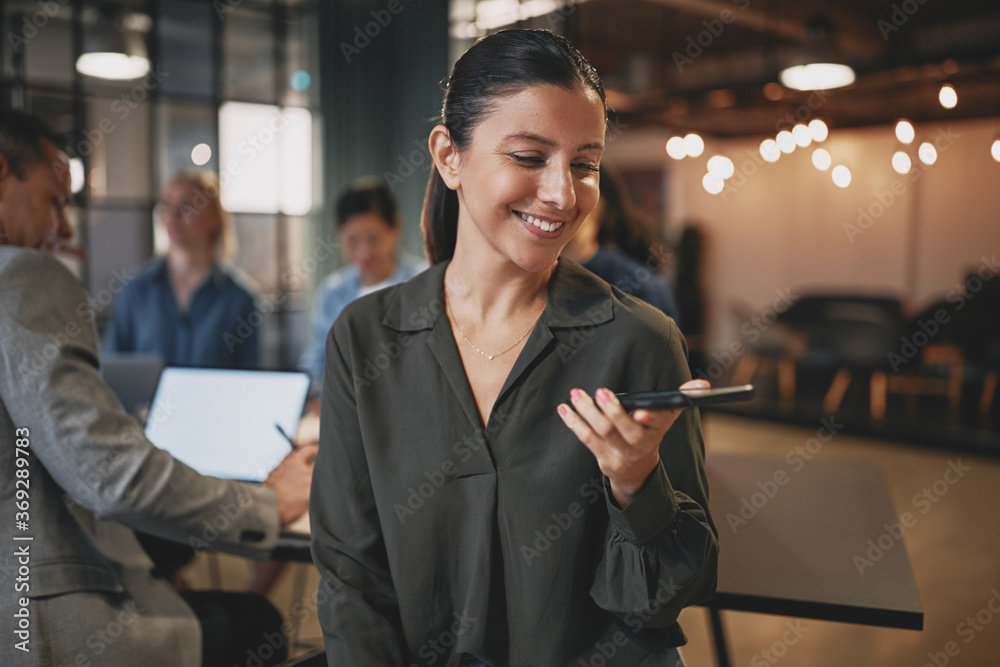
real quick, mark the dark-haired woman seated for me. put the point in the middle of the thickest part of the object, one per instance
(483, 498)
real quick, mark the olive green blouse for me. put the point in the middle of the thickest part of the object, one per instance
(441, 541)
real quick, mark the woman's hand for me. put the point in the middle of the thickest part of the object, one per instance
(627, 447)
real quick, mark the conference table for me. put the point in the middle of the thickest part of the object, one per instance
(808, 539)
(790, 538)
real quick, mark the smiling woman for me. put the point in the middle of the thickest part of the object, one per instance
(568, 535)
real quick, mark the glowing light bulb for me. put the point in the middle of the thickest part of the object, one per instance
(927, 153)
(721, 166)
(841, 176)
(769, 150)
(201, 154)
(947, 96)
(901, 162)
(821, 159)
(785, 141)
(801, 135)
(713, 183)
(693, 144)
(995, 150)
(818, 130)
(676, 149)
(905, 132)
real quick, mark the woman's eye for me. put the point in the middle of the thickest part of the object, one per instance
(583, 166)
(528, 160)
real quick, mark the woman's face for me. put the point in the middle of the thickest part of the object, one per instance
(369, 243)
(188, 216)
(529, 176)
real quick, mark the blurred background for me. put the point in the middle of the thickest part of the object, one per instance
(822, 178)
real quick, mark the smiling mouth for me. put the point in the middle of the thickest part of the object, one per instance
(544, 225)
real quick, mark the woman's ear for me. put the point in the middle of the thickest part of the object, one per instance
(445, 156)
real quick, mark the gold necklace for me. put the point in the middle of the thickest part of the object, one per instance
(490, 357)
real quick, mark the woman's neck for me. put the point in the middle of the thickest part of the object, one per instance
(491, 290)
(185, 263)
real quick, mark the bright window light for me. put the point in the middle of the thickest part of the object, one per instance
(265, 158)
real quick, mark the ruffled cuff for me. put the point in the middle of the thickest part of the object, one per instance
(652, 510)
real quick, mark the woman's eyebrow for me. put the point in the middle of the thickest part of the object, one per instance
(548, 142)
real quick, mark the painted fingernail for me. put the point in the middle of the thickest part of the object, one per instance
(603, 396)
(562, 410)
(574, 394)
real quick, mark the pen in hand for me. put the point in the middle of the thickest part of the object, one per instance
(285, 435)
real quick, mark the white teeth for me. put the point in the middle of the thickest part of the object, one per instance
(541, 224)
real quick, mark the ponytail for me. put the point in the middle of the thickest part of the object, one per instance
(439, 219)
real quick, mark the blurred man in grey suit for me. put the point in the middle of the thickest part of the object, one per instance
(77, 474)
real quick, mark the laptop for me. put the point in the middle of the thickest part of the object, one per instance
(224, 423)
(133, 378)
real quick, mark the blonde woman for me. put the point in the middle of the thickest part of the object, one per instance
(185, 306)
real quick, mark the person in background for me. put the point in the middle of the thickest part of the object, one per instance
(186, 307)
(368, 230)
(616, 243)
(85, 477)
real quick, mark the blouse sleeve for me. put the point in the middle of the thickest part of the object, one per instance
(357, 604)
(661, 552)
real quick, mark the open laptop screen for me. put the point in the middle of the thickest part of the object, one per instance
(222, 422)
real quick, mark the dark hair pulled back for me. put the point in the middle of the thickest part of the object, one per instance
(365, 195)
(498, 65)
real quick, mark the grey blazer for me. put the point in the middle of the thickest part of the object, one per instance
(76, 475)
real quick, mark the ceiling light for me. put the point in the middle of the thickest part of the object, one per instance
(713, 183)
(801, 135)
(901, 162)
(676, 149)
(905, 132)
(947, 96)
(722, 166)
(927, 153)
(693, 144)
(817, 76)
(821, 159)
(785, 141)
(201, 154)
(818, 130)
(841, 176)
(770, 152)
(115, 48)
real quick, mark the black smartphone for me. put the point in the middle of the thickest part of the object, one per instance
(667, 400)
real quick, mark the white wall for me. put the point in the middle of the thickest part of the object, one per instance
(782, 225)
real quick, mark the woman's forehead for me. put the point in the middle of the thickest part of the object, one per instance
(548, 114)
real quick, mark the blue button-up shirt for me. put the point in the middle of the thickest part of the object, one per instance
(219, 329)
